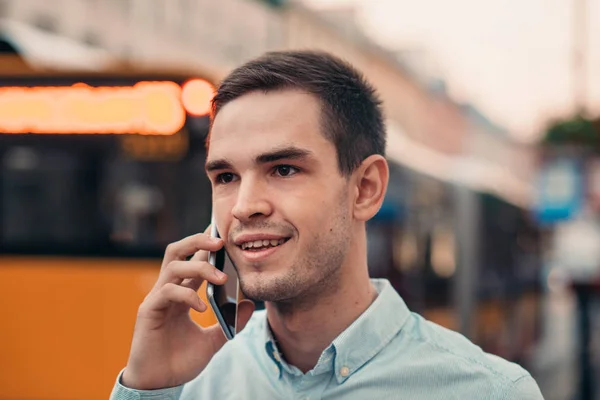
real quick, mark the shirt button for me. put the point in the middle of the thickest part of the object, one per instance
(276, 355)
(344, 371)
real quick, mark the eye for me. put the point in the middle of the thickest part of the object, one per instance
(286, 170)
(226, 177)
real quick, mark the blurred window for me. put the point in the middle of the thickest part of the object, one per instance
(86, 195)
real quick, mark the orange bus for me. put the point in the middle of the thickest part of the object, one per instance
(98, 173)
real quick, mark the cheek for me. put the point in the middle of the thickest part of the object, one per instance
(221, 207)
(309, 212)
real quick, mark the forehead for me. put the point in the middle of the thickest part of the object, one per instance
(259, 121)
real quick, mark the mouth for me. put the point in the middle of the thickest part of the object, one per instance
(261, 245)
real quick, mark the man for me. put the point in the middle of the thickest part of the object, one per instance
(296, 161)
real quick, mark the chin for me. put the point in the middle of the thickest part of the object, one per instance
(265, 286)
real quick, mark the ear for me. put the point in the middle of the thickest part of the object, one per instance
(371, 184)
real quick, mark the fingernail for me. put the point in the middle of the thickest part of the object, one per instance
(219, 274)
(215, 239)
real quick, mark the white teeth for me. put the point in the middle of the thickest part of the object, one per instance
(262, 243)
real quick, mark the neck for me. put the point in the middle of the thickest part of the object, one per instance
(304, 328)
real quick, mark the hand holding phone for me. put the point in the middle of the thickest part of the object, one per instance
(168, 348)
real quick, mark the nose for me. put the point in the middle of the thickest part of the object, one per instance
(252, 201)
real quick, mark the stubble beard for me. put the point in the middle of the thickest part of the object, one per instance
(315, 274)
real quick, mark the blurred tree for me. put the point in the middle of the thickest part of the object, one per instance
(578, 131)
(274, 3)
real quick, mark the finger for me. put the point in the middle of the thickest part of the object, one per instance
(177, 271)
(190, 245)
(174, 294)
(244, 312)
(202, 255)
(192, 283)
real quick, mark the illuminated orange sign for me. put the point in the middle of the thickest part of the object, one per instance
(194, 95)
(147, 108)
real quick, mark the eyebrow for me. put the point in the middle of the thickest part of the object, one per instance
(217, 165)
(286, 153)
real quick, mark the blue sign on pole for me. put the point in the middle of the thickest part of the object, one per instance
(560, 191)
(389, 211)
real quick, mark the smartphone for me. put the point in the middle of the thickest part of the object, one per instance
(224, 299)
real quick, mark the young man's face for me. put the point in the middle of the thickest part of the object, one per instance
(279, 199)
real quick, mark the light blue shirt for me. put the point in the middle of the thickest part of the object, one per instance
(387, 353)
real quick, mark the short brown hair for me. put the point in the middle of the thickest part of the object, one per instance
(351, 110)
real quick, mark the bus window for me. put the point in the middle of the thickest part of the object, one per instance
(68, 198)
(46, 198)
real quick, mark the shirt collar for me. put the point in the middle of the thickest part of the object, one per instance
(370, 332)
(271, 348)
(362, 340)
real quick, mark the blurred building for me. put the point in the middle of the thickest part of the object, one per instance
(217, 36)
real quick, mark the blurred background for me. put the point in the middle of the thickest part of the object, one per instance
(490, 226)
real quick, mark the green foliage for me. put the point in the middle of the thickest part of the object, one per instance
(577, 131)
(274, 3)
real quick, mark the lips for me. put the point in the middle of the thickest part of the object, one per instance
(256, 247)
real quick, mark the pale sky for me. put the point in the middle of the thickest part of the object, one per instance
(511, 58)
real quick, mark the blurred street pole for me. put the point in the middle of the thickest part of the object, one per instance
(467, 212)
(580, 82)
(584, 293)
(579, 47)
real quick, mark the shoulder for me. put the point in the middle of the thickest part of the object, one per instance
(454, 358)
(454, 345)
(525, 389)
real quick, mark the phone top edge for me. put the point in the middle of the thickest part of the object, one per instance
(212, 256)
(214, 232)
